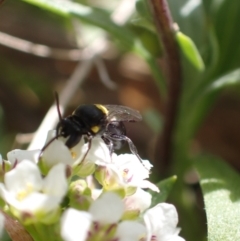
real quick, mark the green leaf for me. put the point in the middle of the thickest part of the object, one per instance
(190, 51)
(54, 6)
(143, 10)
(220, 186)
(91, 15)
(194, 114)
(165, 187)
(149, 41)
(189, 17)
(227, 80)
(157, 74)
(224, 17)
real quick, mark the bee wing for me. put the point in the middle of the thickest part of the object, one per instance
(122, 113)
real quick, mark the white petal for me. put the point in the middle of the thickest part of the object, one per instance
(39, 203)
(25, 177)
(133, 168)
(20, 155)
(33, 203)
(107, 209)
(147, 164)
(77, 150)
(130, 231)
(50, 135)
(161, 221)
(113, 176)
(96, 193)
(148, 184)
(8, 197)
(99, 152)
(75, 225)
(56, 182)
(140, 200)
(57, 152)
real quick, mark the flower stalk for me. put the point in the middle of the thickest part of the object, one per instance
(166, 32)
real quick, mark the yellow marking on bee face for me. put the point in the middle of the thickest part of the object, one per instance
(102, 108)
(95, 129)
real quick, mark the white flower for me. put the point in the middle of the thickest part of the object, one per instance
(2, 219)
(133, 171)
(27, 192)
(139, 201)
(102, 222)
(116, 171)
(130, 231)
(57, 152)
(75, 225)
(107, 209)
(99, 152)
(161, 222)
(126, 172)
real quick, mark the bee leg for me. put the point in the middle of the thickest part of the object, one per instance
(132, 147)
(111, 149)
(109, 143)
(89, 147)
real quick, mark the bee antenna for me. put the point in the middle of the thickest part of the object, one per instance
(58, 106)
(60, 119)
(48, 143)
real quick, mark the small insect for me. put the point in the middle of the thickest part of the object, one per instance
(88, 121)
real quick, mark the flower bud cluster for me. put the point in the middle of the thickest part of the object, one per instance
(79, 194)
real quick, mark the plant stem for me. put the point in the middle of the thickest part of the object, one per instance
(14, 229)
(165, 28)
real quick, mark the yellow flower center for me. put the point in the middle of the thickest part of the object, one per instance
(25, 192)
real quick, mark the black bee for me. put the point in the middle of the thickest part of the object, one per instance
(88, 121)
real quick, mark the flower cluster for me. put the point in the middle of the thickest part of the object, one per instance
(71, 196)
